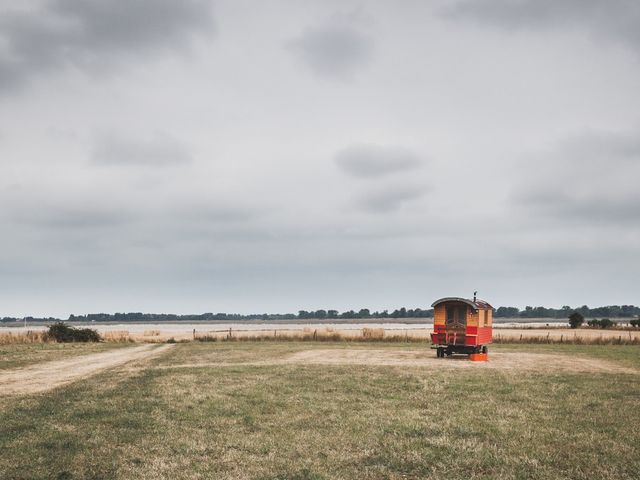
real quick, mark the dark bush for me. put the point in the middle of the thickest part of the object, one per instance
(576, 320)
(63, 333)
(604, 323)
(635, 323)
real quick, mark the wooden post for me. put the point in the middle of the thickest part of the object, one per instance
(315, 334)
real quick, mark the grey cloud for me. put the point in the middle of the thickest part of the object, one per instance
(159, 150)
(374, 161)
(616, 21)
(93, 34)
(225, 214)
(589, 177)
(69, 217)
(332, 51)
(601, 147)
(593, 208)
(220, 217)
(390, 198)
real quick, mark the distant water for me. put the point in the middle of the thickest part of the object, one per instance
(178, 328)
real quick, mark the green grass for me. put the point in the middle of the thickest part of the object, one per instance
(626, 355)
(320, 422)
(24, 354)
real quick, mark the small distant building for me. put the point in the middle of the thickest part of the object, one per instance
(461, 325)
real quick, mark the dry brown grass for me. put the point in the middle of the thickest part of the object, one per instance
(117, 336)
(379, 335)
(41, 336)
(622, 339)
(371, 333)
(7, 338)
(320, 335)
(151, 333)
(309, 421)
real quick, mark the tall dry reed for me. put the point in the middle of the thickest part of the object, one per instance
(624, 339)
(117, 336)
(31, 336)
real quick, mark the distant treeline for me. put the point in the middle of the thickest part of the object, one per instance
(611, 311)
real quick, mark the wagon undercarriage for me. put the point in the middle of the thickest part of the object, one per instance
(448, 350)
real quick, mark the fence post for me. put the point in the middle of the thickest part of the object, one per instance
(315, 334)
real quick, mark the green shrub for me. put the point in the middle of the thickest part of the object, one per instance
(63, 333)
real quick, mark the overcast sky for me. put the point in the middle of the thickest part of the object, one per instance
(251, 156)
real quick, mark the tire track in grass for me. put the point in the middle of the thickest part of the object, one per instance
(49, 375)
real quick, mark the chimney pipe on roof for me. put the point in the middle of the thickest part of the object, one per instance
(474, 295)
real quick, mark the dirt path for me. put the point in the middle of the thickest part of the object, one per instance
(535, 362)
(47, 376)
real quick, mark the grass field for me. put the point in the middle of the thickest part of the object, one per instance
(23, 354)
(213, 410)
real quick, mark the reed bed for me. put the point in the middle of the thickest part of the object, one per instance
(151, 333)
(30, 336)
(117, 336)
(575, 339)
(380, 335)
(41, 336)
(323, 335)
(373, 333)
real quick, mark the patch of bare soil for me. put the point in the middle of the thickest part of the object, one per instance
(532, 362)
(47, 376)
(535, 362)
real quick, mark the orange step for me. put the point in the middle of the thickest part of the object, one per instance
(479, 357)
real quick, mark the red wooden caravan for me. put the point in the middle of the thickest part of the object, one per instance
(461, 325)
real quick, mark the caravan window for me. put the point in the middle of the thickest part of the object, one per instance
(456, 314)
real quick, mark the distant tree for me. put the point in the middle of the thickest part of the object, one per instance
(364, 313)
(606, 323)
(603, 323)
(504, 312)
(576, 320)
